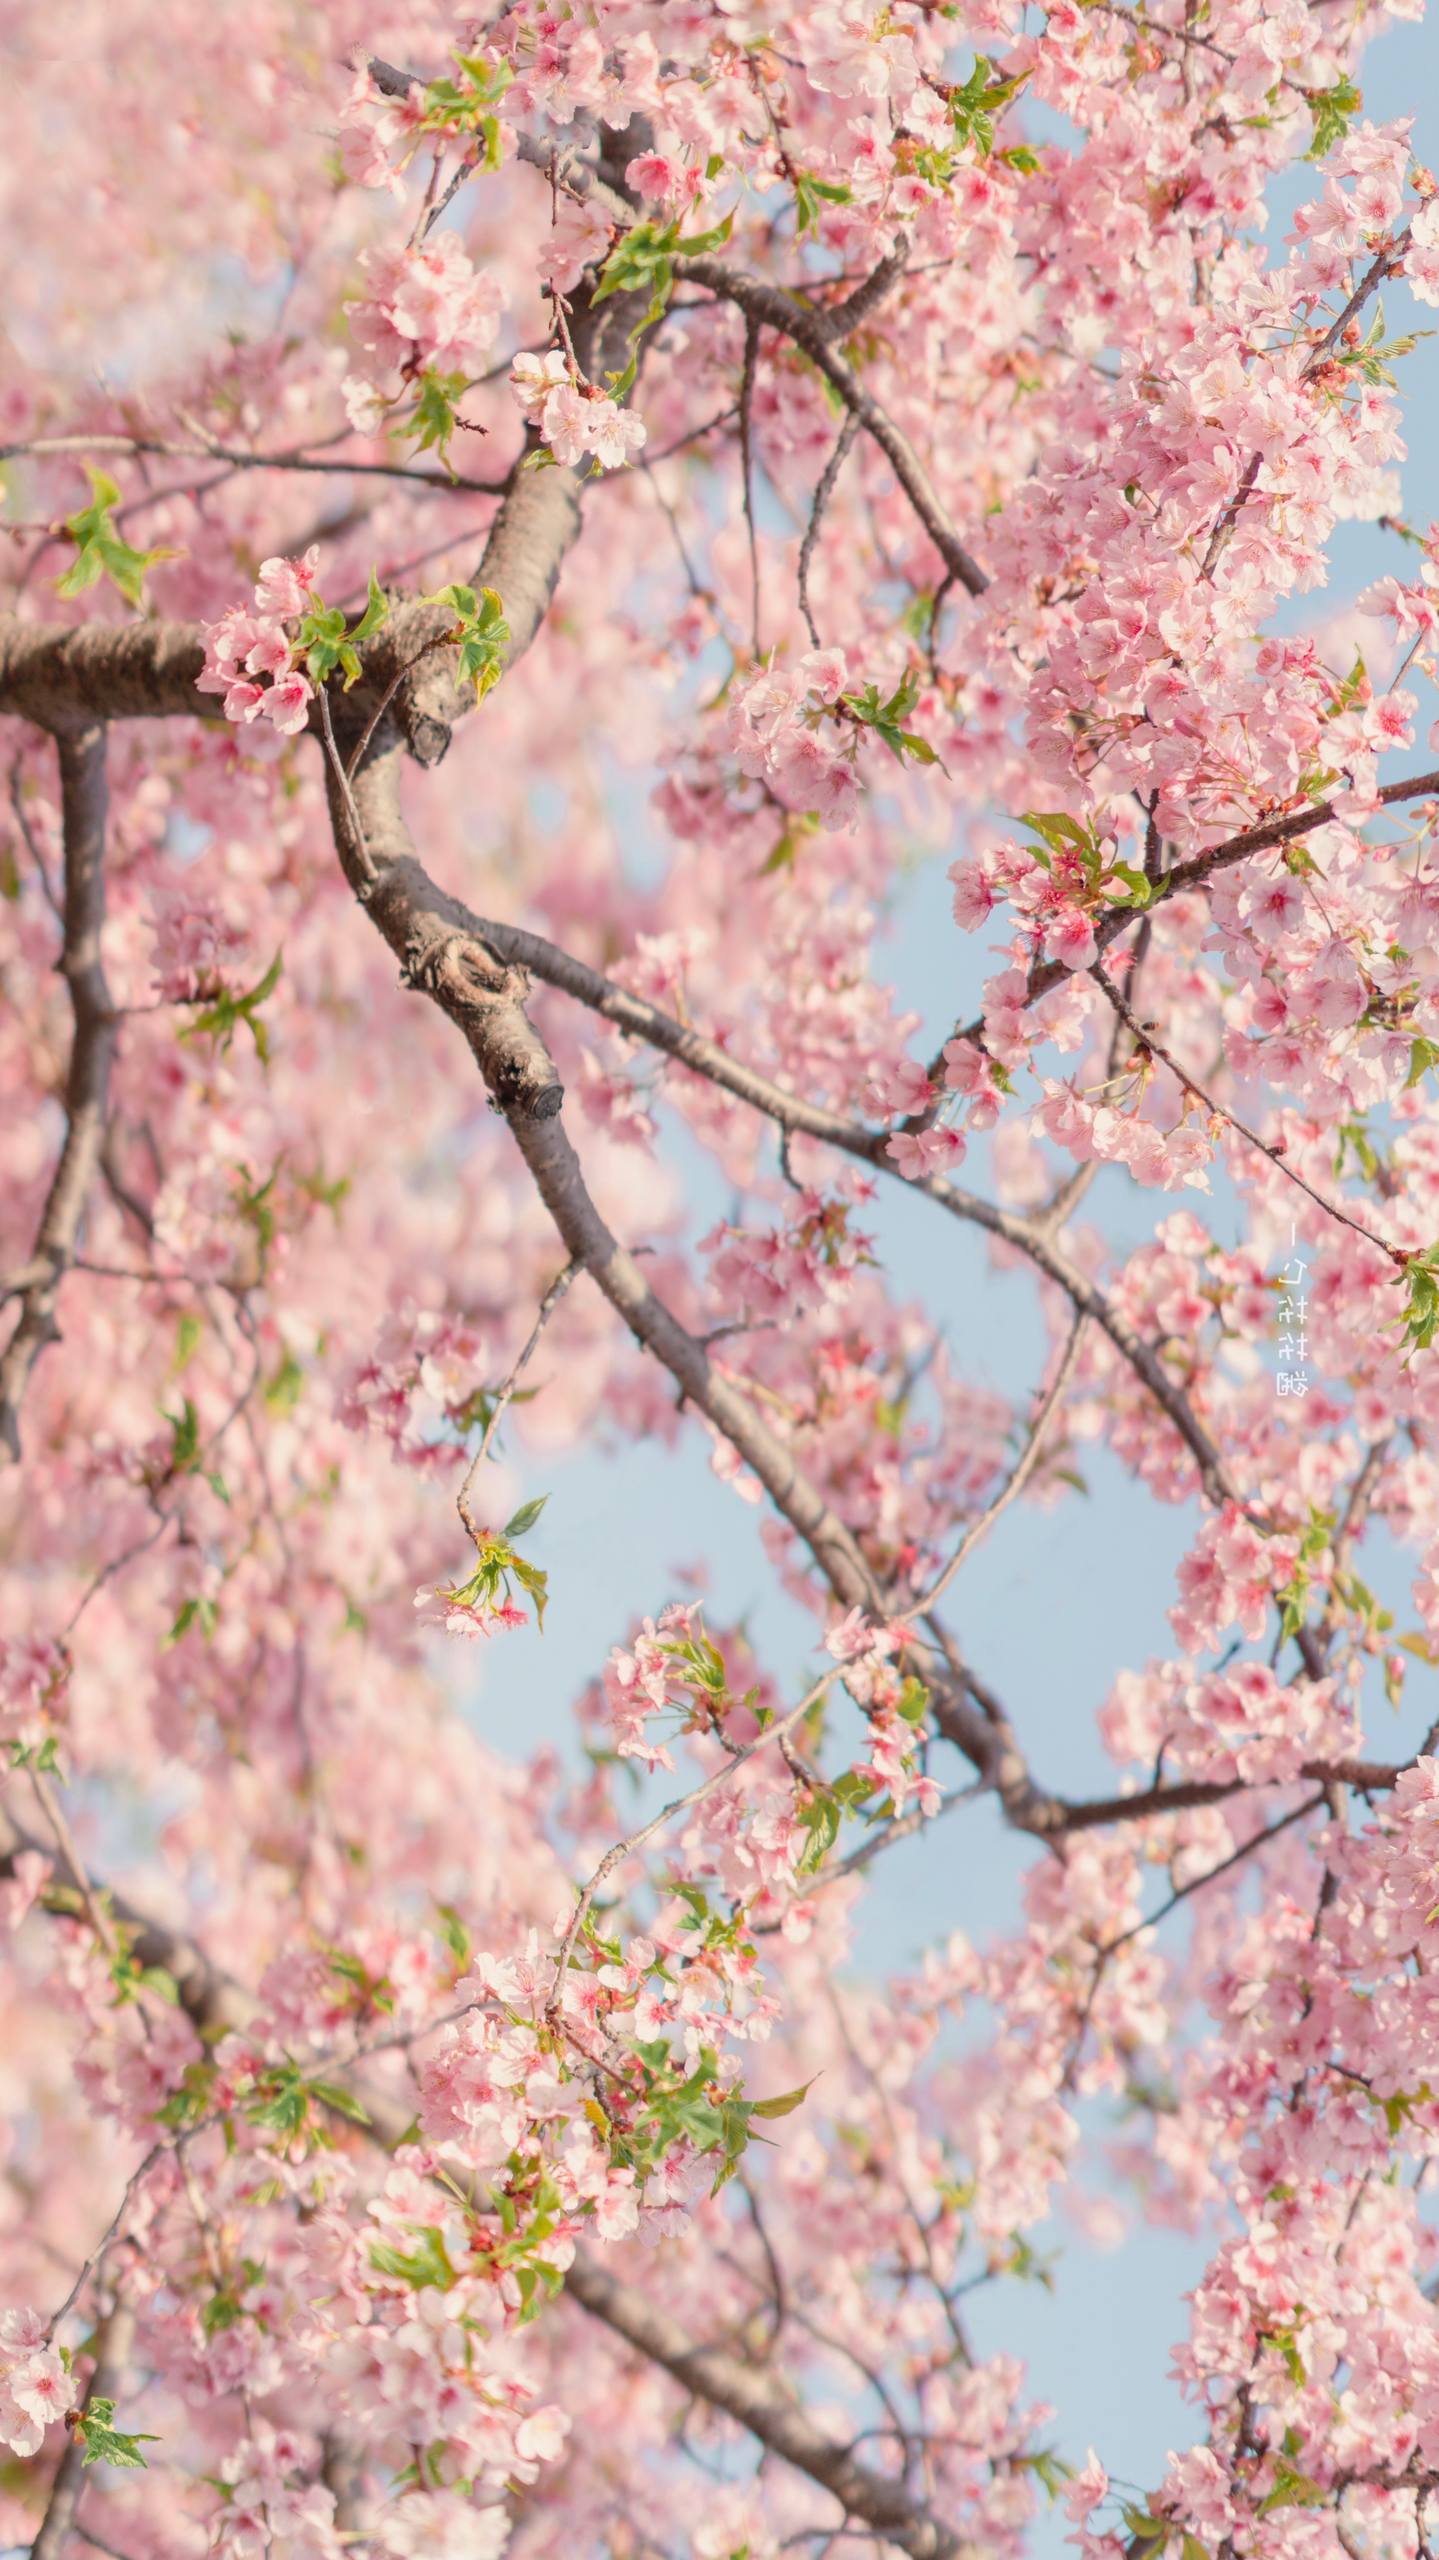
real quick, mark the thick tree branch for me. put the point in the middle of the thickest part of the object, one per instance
(62, 674)
(1185, 1795)
(440, 951)
(791, 1112)
(536, 525)
(759, 2404)
(83, 803)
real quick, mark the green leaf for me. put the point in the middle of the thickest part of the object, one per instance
(526, 1516)
(1423, 1054)
(44, 1756)
(698, 244)
(796, 827)
(321, 635)
(187, 2104)
(188, 1334)
(223, 1014)
(373, 615)
(105, 2443)
(1291, 2488)
(1331, 110)
(455, 1934)
(435, 415)
(810, 195)
(536, 1583)
(643, 255)
(1286, 2347)
(283, 2105)
(481, 634)
(1137, 889)
(184, 1440)
(1050, 2470)
(425, 2264)
(913, 1700)
(887, 718)
(772, 2108)
(1354, 1139)
(101, 552)
(821, 1817)
(460, 106)
(1348, 692)
(342, 2101)
(974, 105)
(283, 1391)
(1420, 1283)
(1061, 833)
(1144, 2527)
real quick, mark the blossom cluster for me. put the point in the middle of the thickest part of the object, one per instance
(250, 642)
(777, 732)
(34, 2386)
(425, 311)
(572, 417)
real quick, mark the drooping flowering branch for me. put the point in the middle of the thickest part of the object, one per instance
(866, 333)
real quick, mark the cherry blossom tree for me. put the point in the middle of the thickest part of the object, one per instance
(850, 433)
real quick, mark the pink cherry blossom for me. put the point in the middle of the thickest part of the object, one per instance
(908, 1025)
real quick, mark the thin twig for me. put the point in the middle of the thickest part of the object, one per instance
(1265, 836)
(1021, 1471)
(363, 857)
(440, 640)
(796, 1116)
(29, 838)
(1151, 1919)
(822, 496)
(65, 1842)
(547, 1306)
(49, 448)
(1148, 1042)
(108, 2236)
(746, 453)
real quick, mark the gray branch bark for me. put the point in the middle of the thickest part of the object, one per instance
(642, 1020)
(753, 2397)
(83, 801)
